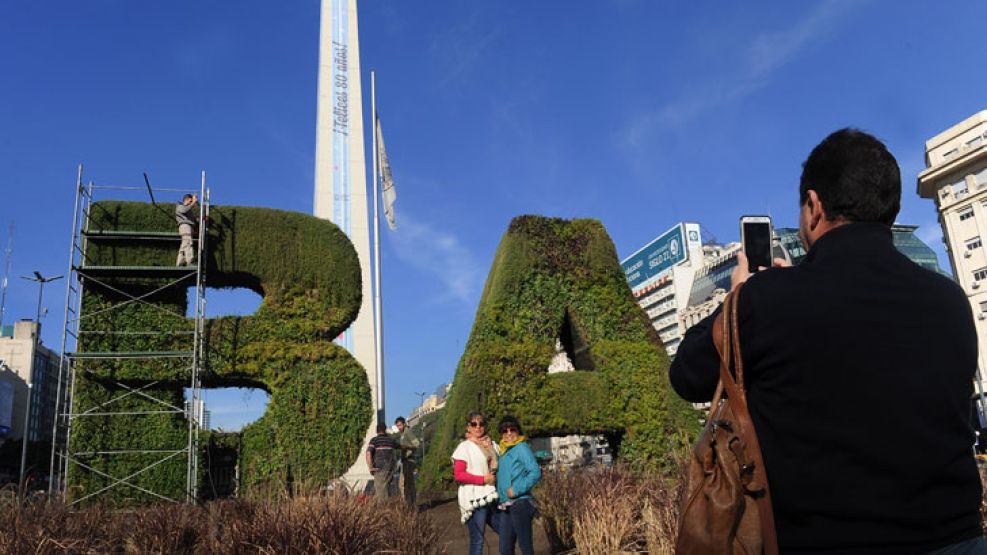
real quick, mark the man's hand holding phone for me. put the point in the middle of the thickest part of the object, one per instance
(741, 273)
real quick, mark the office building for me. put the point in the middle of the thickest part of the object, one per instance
(574, 451)
(199, 411)
(955, 179)
(17, 349)
(660, 275)
(430, 404)
(712, 281)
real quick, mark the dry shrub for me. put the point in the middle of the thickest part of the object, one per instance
(607, 519)
(336, 525)
(411, 533)
(661, 518)
(160, 530)
(610, 511)
(557, 496)
(983, 499)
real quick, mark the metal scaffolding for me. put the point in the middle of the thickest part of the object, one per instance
(84, 273)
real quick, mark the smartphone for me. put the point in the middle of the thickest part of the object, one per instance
(756, 235)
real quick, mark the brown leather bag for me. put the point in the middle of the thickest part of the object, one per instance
(727, 507)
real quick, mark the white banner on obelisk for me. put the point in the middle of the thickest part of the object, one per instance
(340, 177)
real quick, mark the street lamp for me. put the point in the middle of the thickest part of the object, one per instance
(421, 401)
(41, 281)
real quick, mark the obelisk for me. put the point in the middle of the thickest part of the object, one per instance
(341, 181)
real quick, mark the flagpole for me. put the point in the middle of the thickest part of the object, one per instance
(378, 320)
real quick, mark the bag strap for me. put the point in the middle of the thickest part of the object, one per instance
(729, 327)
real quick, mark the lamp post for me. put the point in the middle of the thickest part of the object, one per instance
(41, 281)
(421, 401)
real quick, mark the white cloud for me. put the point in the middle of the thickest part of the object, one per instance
(770, 51)
(767, 53)
(440, 253)
(460, 48)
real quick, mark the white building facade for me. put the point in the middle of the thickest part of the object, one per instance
(24, 362)
(955, 179)
(660, 275)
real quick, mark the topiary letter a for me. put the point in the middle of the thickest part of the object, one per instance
(556, 286)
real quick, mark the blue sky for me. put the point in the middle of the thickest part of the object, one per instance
(638, 113)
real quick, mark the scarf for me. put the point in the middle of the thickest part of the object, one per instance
(504, 445)
(472, 497)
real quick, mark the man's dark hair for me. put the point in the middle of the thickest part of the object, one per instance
(855, 176)
(186, 197)
(381, 428)
(509, 420)
(401, 420)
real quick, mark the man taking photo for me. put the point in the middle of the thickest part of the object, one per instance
(859, 367)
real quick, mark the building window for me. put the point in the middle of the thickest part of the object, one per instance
(973, 243)
(980, 275)
(959, 188)
(980, 177)
(949, 154)
(966, 213)
(983, 307)
(975, 142)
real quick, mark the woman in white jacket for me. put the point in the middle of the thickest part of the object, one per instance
(474, 464)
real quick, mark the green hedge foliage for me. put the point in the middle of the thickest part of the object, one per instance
(308, 274)
(552, 279)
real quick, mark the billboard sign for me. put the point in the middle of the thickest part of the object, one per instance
(693, 237)
(667, 250)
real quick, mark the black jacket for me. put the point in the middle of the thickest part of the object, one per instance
(860, 366)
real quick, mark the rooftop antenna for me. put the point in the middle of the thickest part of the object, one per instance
(710, 238)
(6, 274)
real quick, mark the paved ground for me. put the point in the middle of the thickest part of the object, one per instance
(455, 538)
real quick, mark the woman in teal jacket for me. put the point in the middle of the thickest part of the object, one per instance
(517, 474)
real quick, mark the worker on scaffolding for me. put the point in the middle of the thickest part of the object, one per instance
(183, 215)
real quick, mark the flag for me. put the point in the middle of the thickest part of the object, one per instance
(386, 180)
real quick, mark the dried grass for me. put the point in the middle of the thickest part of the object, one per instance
(339, 524)
(983, 499)
(605, 512)
(613, 511)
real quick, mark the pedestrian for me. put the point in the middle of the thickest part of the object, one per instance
(833, 348)
(471, 469)
(382, 458)
(409, 451)
(517, 474)
(183, 215)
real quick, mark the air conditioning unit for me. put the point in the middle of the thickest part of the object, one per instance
(981, 316)
(976, 285)
(967, 254)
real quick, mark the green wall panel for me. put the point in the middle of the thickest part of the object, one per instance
(308, 274)
(551, 279)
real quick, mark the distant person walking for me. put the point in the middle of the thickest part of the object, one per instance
(517, 474)
(183, 215)
(472, 461)
(409, 450)
(382, 457)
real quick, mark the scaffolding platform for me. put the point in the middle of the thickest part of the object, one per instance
(66, 458)
(106, 355)
(136, 271)
(112, 234)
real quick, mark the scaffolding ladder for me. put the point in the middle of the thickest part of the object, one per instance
(82, 271)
